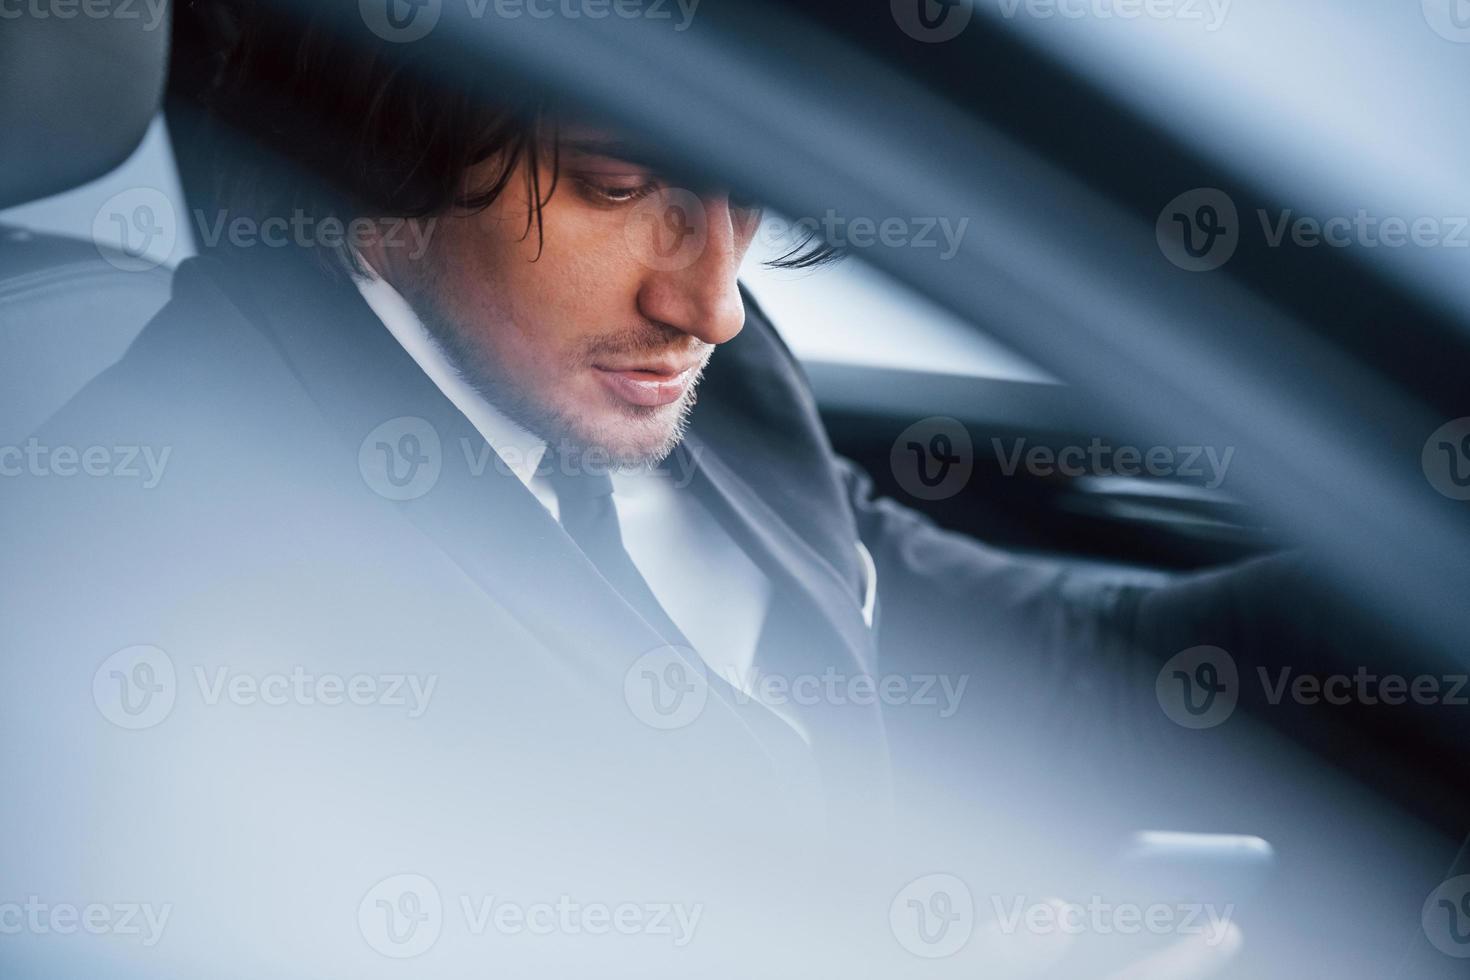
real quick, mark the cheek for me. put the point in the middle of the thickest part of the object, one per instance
(584, 283)
(537, 303)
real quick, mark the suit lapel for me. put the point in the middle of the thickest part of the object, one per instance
(796, 568)
(813, 629)
(373, 393)
(476, 511)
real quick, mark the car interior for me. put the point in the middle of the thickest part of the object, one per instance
(1056, 324)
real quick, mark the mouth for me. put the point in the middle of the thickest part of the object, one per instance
(647, 384)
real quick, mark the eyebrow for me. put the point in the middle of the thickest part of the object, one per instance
(635, 153)
(616, 149)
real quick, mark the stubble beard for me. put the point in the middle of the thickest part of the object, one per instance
(635, 437)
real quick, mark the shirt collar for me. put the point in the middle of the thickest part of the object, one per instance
(521, 450)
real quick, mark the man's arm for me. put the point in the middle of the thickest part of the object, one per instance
(1037, 639)
(1074, 657)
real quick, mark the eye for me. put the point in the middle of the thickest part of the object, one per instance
(615, 190)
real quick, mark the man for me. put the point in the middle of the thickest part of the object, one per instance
(451, 575)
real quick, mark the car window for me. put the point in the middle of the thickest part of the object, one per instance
(852, 313)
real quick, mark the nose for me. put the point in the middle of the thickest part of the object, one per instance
(692, 263)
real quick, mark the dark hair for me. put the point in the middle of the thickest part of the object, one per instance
(316, 115)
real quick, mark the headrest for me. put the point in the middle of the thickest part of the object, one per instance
(78, 86)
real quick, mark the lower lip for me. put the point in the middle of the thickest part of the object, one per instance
(644, 389)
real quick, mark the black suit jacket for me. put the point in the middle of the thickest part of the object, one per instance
(265, 548)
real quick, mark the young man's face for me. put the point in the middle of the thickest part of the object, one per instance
(600, 340)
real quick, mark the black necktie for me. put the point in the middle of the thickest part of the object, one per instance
(584, 499)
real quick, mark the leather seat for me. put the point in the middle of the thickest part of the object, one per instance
(66, 314)
(76, 97)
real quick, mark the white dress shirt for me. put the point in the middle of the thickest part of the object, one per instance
(706, 583)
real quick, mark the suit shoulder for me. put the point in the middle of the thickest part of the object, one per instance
(199, 351)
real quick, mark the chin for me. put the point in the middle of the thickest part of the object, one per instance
(635, 437)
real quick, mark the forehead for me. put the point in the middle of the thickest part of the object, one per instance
(580, 138)
(590, 142)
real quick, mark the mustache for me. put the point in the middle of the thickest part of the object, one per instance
(652, 339)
